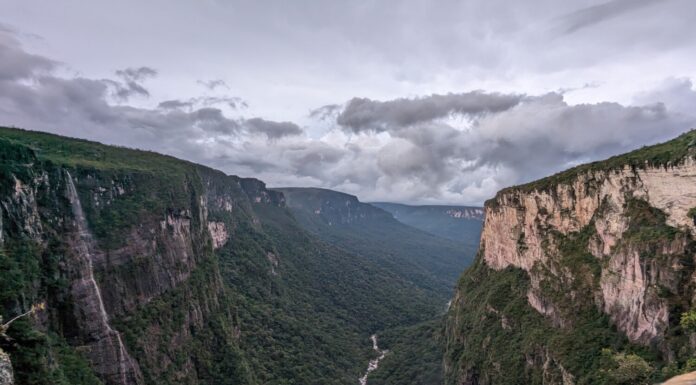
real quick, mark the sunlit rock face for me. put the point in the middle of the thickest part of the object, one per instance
(609, 245)
(520, 227)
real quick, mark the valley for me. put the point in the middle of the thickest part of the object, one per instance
(156, 270)
(140, 268)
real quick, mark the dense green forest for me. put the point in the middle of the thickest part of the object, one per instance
(430, 262)
(274, 304)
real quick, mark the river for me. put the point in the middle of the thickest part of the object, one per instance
(374, 363)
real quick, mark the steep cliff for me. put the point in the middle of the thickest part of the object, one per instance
(6, 376)
(598, 257)
(153, 270)
(112, 241)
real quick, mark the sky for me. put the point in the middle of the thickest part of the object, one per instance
(412, 101)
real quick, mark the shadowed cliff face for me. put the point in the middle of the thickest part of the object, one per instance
(104, 346)
(6, 376)
(104, 245)
(606, 247)
(158, 271)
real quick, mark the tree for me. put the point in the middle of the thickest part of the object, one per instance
(34, 308)
(688, 320)
(626, 369)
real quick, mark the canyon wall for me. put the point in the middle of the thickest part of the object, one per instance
(604, 249)
(123, 258)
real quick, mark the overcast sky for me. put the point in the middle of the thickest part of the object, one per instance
(409, 101)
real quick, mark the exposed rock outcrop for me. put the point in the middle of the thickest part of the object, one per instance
(218, 232)
(124, 259)
(102, 344)
(521, 230)
(612, 239)
(6, 376)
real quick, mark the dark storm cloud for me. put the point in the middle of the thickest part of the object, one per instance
(174, 104)
(515, 141)
(273, 129)
(329, 111)
(545, 135)
(130, 81)
(192, 128)
(232, 102)
(362, 114)
(586, 17)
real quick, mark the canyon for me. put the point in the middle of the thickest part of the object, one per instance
(154, 270)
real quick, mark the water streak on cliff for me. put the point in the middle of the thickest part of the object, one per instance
(104, 344)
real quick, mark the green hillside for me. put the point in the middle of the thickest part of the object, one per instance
(431, 262)
(274, 304)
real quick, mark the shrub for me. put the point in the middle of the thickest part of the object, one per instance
(688, 320)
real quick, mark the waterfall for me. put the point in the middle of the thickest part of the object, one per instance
(374, 363)
(84, 248)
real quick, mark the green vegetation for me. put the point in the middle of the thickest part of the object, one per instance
(647, 224)
(275, 305)
(499, 351)
(40, 359)
(688, 320)
(84, 154)
(426, 263)
(692, 214)
(575, 334)
(415, 355)
(625, 369)
(432, 263)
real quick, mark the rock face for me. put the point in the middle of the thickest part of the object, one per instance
(103, 345)
(6, 376)
(124, 259)
(521, 229)
(611, 239)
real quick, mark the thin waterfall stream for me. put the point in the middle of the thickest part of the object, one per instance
(374, 363)
(85, 249)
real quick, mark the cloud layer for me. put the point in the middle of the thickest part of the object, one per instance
(439, 148)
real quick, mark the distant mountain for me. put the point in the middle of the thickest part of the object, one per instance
(458, 223)
(429, 261)
(425, 260)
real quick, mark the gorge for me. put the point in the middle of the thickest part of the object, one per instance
(155, 270)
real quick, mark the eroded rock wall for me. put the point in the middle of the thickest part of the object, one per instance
(521, 226)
